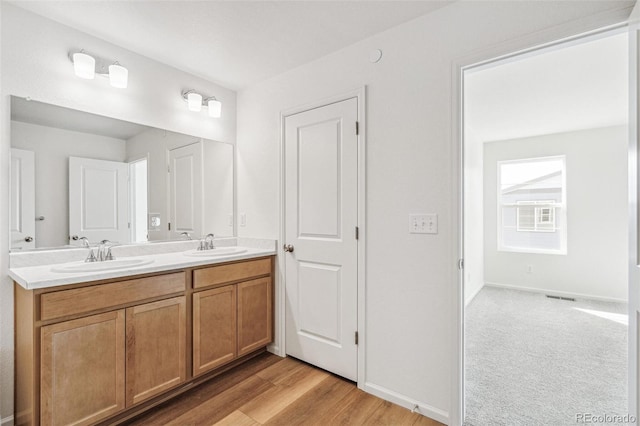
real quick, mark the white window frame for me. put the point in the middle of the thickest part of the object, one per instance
(561, 211)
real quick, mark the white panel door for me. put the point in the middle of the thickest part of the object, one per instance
(98, 200)
(23, 225)
(321, 201)
(185, 183)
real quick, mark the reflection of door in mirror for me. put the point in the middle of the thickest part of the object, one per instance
(98, 204)
(185, 198)
(22, 199)
(138, 206)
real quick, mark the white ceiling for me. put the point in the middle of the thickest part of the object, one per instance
(232, 43)
(579, 87)
(70, 119)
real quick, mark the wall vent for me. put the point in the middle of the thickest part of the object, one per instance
(570, 299)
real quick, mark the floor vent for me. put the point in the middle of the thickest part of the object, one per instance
(570, 299)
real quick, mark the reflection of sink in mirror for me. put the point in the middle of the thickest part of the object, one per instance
(221, 251)
(101, 266)
(111, 170)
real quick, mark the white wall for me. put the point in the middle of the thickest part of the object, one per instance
(34, 63)
(597, 208)
(410, 278)
(52, 148)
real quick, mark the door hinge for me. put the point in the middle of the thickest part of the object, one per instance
(356, 337)
(461, 264)
(357, 233)
(169, 225)
(168, 169)
(357, 128)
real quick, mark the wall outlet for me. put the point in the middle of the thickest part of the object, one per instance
(154, 221)
(423, 223)
(230, 220)
(243, 219)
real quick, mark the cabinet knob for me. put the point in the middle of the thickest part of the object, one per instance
(28, 239)
(288, 248)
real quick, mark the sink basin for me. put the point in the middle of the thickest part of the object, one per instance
(108, 265)
(220, 251)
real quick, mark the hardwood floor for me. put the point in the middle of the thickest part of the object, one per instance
(269, 390)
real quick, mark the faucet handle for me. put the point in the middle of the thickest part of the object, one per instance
(109, 255)
(91, 257)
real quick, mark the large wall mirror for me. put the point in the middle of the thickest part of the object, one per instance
(76, 174)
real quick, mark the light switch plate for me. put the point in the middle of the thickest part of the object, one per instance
(243, 219)
(423, 223)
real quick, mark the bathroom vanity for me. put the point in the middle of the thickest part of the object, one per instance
(92, 349)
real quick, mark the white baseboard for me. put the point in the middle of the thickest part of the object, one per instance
(469, 297)
(555, 292)
(6, 421)
(409, 403)
(276, 350)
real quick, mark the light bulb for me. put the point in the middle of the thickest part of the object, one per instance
(118, 76)
(84, 65)
(194, 101)
(215, 108)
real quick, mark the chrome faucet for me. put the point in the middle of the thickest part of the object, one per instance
(104, 251)
(206, 243)
(209, 238)
(91, 257)
(186, 234)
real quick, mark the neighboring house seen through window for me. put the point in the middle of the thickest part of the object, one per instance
(532, 205)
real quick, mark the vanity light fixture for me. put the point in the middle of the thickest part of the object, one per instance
(87, 66)
(84, 65)
(195, 102)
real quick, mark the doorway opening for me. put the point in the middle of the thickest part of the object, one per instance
(546, 234)
(138, 189)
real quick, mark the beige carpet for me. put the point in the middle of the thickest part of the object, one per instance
(531, 360)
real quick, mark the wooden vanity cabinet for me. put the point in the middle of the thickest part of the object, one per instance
(214, 328)
(156, 343)
(105, 351)
(232, 312)
(83, 369)
(255, 315)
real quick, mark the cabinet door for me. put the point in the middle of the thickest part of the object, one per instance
(214, 328)
(155, 348)
(255, 315)
(82, 369)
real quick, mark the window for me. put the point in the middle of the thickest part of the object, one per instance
(532, 206)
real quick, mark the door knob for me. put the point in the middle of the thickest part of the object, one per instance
(28, 239)
(288, 248)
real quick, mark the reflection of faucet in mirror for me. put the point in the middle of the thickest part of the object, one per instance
(186, 234)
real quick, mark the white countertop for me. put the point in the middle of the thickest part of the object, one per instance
(33, 277)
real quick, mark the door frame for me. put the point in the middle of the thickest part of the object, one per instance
(556, 37)
(279, 344)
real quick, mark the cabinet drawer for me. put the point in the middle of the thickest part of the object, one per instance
(79, 300)
(230, 273)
